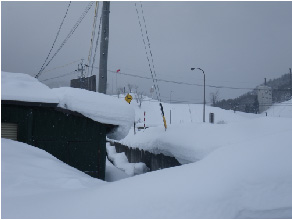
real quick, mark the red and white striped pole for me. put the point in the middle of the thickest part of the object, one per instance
(144, 119)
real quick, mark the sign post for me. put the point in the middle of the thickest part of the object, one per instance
(128, 98)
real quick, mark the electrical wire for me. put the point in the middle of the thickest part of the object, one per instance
(93, 34)
(155, 84)
(149, 46)
(59, 67)
(42, 68)
(189, 84)
(66, 74)
(96, 44)
(69, 35)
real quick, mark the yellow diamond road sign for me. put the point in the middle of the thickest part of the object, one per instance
(128, 98)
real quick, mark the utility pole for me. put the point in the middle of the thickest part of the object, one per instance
(104, 48)
(81, 68)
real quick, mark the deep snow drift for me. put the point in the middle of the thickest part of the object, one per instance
(243, 169)
(283, 110)
(248, 179)
(188, 139)
(194, 141)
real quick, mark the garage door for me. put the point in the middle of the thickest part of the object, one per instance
(9, 131)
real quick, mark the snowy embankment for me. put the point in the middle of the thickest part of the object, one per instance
(188, 139)
(192, 142)
(250, 179)
(283, 110)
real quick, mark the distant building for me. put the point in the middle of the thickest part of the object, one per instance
(88, 83)
(264, 94)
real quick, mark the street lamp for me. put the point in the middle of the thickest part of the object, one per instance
(170, 107)
(204, 92)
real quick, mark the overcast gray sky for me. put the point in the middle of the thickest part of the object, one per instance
(237, 44)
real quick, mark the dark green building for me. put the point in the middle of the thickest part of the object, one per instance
(69, 136)
(69, 123)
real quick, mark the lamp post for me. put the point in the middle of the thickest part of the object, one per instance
(204, 92)
(170, 109)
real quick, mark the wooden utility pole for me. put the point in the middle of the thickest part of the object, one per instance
(104, 48)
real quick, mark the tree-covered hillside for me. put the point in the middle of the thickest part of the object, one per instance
(281, 91)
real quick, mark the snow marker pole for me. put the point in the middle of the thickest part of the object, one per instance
(162, 113)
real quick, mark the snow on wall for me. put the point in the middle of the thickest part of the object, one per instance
(96, 106)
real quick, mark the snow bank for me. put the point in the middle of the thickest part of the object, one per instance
(29, 170)
(283, 109)
(194, 141)
(98, 107)
(23, 87)
(182, 113)
(121, 161)
(113, 174)
(249, 179)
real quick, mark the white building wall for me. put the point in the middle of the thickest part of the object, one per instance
(264, 98)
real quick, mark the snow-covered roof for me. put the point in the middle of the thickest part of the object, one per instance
(96, 106)
(99, 107)
(23, 87)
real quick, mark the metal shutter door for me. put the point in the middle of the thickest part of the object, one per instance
(9, 131)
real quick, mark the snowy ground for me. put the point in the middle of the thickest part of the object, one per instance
(188, 139)
(283, 110)
(246, 180)
(243, 169)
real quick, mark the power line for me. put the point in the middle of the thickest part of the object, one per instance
(59, 67)
(42, 68)
(69, 35)
(93, 34)
(66, 74)
(149, 46)
(185, 83)
(155, 84)
(96, 44)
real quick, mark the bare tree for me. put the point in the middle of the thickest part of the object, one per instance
(130, 86)
(214, 97)
(135, 87)
(120, 91)
(140, 98)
